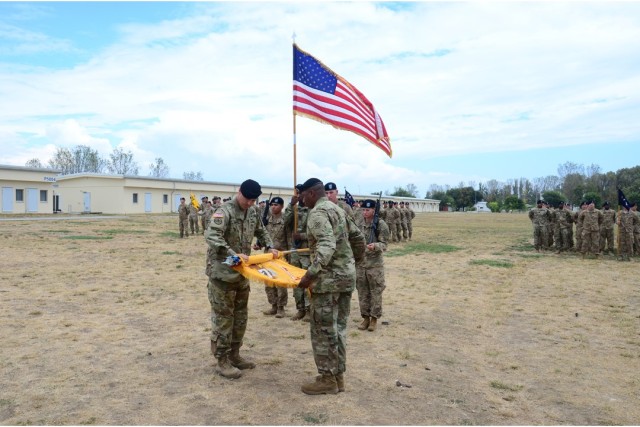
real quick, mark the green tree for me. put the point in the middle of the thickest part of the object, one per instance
(494, 206)
(553, 197)
(401, 192)
(592, 195)
(513, 203)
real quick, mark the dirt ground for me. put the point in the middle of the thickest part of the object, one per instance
(106, 322)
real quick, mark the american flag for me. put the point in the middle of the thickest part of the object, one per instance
(321, 94)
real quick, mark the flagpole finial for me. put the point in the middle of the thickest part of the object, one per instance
(293, 37)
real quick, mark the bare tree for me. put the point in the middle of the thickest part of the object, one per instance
(34, 163)
(412, 189)
(122, 163)
(193, 176)
(159, 169)
(80, 158)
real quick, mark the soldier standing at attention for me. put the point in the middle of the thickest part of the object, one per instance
(331, 278)
(183, 218)
(539, 217)
(578, 218)
(277, 296)
(404, 220)
(411, 215)
(233, 227)
(370, 273)
(636, 230)
(204, 203)
(627, 222)
(193, 220)
(551, 225)
(299, 259)
(564, 219)
(606, 230)
(383, 212)
(592, 219)
(206, 215)
(398, 222)
(331, 190)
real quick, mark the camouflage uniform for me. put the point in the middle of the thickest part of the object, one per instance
(551, 226)
(183, 219)
(398, 222)
(392, 221)
(410, 218)
(230, 233)
(591, 220)
(206, 216)
(540, 218)
(404, 213)
(193, 220)
(628, 221)
(606, 230)
(333, 271)
(301, 259)
(563, 224)
(636, 232)
(370, 273)
(577, 218)
(277, 295)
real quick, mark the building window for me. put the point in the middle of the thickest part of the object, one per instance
(165, 199)
(19, 195)
(135, 197)
(43, 195)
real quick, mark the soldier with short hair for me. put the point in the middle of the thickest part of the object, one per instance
(606, 230)
(232, 229)
(591, 221)
(540, 217)
(332, 278)
(183, 217)
(563, 223)
(578, 218)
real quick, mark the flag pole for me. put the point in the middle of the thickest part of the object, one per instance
(295, 179)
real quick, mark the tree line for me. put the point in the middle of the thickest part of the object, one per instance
(574, 184)
(84, 159)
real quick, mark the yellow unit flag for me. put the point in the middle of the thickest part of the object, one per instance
(273, 272)
(194, 202)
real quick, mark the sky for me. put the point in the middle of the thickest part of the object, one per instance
(468, 92)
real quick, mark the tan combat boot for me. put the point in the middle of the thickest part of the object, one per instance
(270, 312)
(214, 346)
(307, 316)
(299, 315)
(339, 380)
(372, 324)
(226, 369)
(238, 361)
(280, 312)
(324, 384)
(365, 323)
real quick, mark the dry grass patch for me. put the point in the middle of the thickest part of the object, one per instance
(106, 322)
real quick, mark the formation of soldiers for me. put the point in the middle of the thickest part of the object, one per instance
(553, 227)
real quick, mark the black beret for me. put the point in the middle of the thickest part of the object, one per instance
(311, 182)
(277, 200)
(561, 204)
(589, 202)
(370, 204)
(250, 189)
(299, 188)
(606, 204)
(539, 202)
(330, 186)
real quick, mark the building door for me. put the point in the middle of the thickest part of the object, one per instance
(147, 202)
(87, 201)
(176, 202)
(56, 203)
(7, 199)
(32, 200)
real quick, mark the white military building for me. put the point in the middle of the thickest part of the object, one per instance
(35, 190)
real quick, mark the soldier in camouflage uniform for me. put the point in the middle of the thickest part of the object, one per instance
(411, 215)
(539, 217)
(207, 211)
(193, 220)
(404, 213)
(396, 208)
(627, 222)
(636, 230)
(606, 230)
(391, 220)
(332, 278)
(370, 274)
(383, 212)
(577, 218)
(183, 217)
(233, 227)
(299, 259)
(331, 190)
(563, 223)
(277, 296)
(204, 203)
(591, 222)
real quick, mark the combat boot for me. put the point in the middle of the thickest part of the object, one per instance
(323, 384)
(365, 323)
(339, 380)
(238, 361)
(299, 315)
(372, 324)
(307, 316)
(280, 312)
(214, 346)
(270, 312)
(226, 369)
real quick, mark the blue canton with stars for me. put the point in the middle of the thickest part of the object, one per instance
(308, 71)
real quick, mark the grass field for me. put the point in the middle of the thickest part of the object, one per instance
(106, 322)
